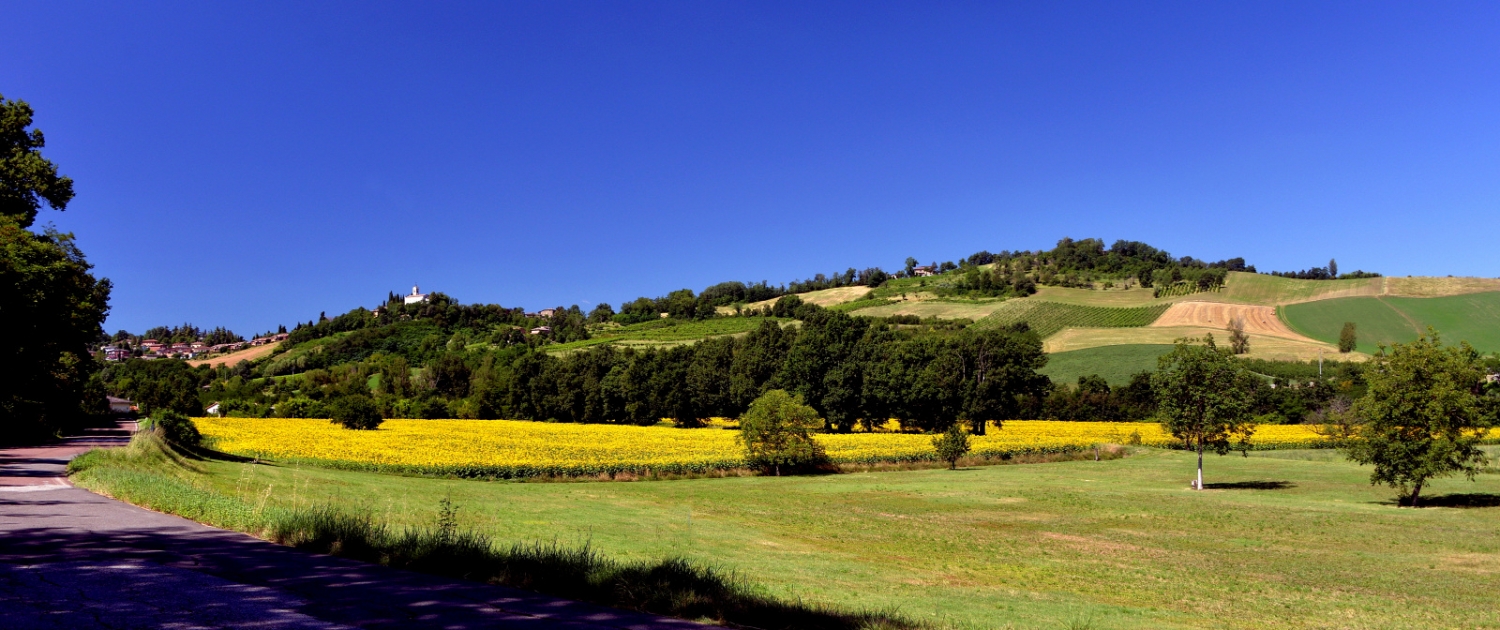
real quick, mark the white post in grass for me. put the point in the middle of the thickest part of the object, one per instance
(1200, 465)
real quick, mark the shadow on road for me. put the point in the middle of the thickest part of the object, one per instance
(187, 575)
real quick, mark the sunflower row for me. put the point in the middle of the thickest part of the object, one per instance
(510, 449)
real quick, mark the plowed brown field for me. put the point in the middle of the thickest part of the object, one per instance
(1259, 320)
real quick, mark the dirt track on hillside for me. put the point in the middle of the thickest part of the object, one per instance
(1259, 320)
(233, 358)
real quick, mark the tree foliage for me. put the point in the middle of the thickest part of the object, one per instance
(1203, 399)
(1239, 342)
(777, 432)
(951, 445)
(1347, 338)
(177, 428)
(26, 178)
(52, 312)
(355, 411)
(1422, 415)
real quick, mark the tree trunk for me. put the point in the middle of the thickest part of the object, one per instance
(1416, 492)
(1199, 486)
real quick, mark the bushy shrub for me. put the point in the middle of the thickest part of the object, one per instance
(355, 412)
(777, 432)
(175, 427)
(952, 445)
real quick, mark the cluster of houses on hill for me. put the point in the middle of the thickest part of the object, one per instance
(153, 349)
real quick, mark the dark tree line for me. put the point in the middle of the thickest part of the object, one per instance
(1331, 272)
(186, 333)
(852, 370)
(1081, 263)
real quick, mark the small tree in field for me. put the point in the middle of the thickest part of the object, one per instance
(1422, 415)
(1239, 342)
(1346, 338)
(355, 412)
(952, 445)
(1202, 398)
(777, 431)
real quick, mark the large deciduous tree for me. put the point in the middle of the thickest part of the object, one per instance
(777, 431)
(26, 178)
(53, 310)
(1202, 398)
(999, 369)
(1422, 415)
(53, 307)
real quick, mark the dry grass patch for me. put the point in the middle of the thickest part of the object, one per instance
(1261, 346)
(1117, 298)
(941, 309)
(824, 297)
(233, 358)
(1438, 287)
(1252, 288)
(1260, 320)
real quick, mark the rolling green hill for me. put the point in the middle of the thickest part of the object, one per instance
(1474, 318)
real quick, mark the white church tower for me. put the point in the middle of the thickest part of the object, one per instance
(416, 296)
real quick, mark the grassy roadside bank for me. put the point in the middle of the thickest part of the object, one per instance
(150, 473)
(1282, 539)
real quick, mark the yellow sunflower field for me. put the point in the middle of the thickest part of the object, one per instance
(511, 448)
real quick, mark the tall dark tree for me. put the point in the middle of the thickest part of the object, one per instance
(999, 370)
(757, 360)
(26, 178)
(54, 307)
(1347, 338)
(816, 366)
(1333, 268)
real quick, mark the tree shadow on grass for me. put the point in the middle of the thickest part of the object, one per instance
(1461, 500)
(1250, 485)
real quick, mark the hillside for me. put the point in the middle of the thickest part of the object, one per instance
(1474, 318)
(1106, 311)
(1390, 309)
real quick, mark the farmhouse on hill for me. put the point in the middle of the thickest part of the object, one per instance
(416, 296)
(924, 270)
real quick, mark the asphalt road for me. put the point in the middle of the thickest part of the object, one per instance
(73, 559)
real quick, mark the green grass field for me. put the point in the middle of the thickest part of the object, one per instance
(1047, 318)
(1474, 318)
(1251, 288)
(1282, 541)
(1115, 363)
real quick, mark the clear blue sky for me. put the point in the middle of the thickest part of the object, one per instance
(254, 164)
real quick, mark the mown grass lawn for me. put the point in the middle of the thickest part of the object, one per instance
(1297, 540)
(1115, 364)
